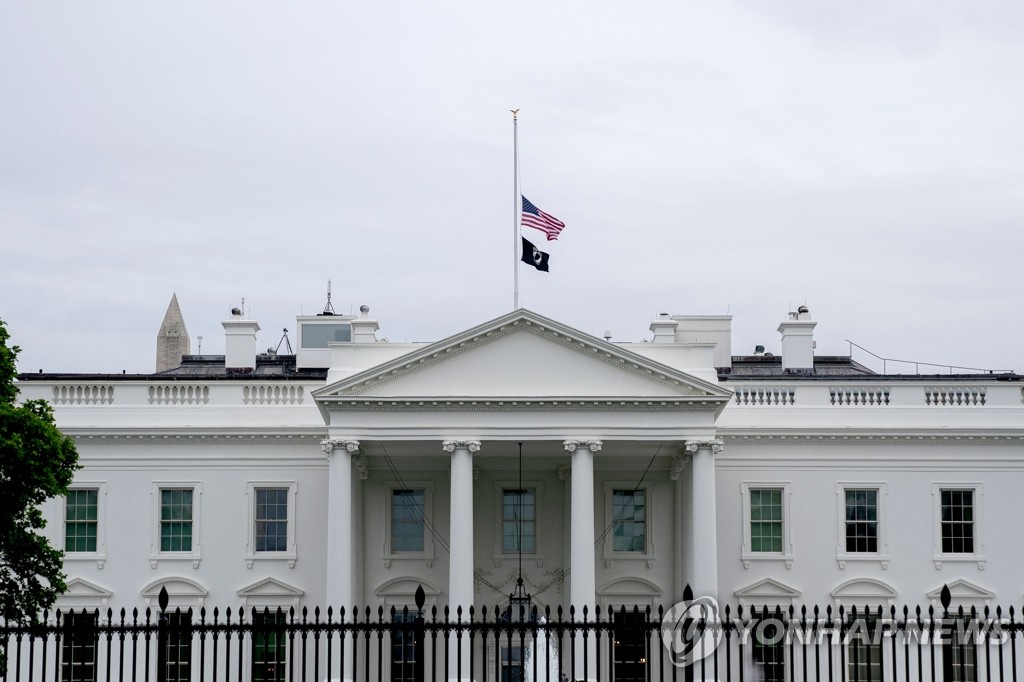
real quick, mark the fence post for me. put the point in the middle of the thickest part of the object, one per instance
(418, 634)
(161, 632)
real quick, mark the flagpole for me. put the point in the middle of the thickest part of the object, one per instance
(517, 206)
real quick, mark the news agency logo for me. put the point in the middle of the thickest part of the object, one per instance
(691, 631)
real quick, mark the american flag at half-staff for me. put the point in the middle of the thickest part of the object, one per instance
(538, 219)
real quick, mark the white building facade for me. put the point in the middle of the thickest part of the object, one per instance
(603, 474)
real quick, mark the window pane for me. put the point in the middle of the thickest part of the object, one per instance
(862, 521)
(268, 647)
(175, 656)
(271, 517)
(406, 648)
(512, 664)
(769, 651)
(319, 335)
(81, 512)
(176, 520)
(959, 655)
(630, 647)
(766, 520)
(864, 650)
(407, 523)
(78, 647)
(519, 525)
(629, 520)
(957, 521)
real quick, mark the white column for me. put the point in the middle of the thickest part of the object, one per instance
(340, 547)
(680, 516)
(704, 547)
(340, 557)
(461, 558)
(583, 576)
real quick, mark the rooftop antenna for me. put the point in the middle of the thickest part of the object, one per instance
(243, 306)
(200, 339)
(286, 342)
(328, 309)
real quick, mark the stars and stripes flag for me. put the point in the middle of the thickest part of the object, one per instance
(539, 220)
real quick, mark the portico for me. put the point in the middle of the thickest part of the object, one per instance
(440, 426)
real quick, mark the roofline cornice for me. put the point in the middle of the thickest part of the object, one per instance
(873, 436)
(506, 404)
(192, 434)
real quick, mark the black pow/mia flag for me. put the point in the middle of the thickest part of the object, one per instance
(534, 256)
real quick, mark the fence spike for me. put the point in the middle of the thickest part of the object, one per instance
(945, 597)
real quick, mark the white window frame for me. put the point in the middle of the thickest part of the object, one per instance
(428, 538)
(196, 554)
(978, 511)
(100, 555)
(786, 555)
(251, 554)
(500, 554)
(610, 555)
(882, 495)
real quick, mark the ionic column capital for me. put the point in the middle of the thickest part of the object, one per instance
(328, 445)
(453, 445)
(715, 446)
(574, 445)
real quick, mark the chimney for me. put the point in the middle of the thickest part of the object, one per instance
(716, 329)
(798, 341)
(240, 343)
(364, 330)
(664, 329)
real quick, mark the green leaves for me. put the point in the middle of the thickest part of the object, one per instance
(8, 355)
(37, 462)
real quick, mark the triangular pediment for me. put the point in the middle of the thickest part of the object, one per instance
(79, 588)
(522, 356)
(768, 587)
(767, 593)
(963, 591)
(82, 593)
(270, 587)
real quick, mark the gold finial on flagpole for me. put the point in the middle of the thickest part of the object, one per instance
(515, 113)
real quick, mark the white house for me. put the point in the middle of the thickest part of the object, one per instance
(356, 470)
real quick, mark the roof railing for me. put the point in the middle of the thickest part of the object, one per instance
(917, 364)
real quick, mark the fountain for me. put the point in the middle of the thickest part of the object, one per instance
(547, 657)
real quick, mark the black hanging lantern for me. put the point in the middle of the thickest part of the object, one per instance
(520, 605)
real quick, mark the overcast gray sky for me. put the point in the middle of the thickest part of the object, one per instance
(864, 158)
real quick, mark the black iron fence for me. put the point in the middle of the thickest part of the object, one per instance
(687, 642)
